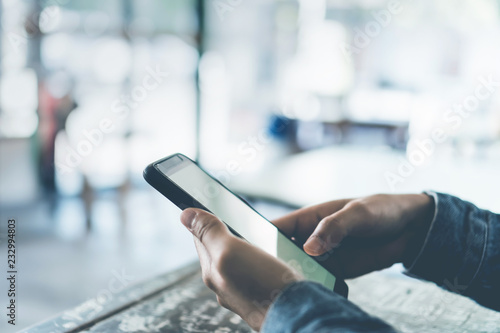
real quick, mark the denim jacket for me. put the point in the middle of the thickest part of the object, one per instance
(462, 248)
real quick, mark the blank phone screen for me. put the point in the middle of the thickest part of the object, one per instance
(243, 219)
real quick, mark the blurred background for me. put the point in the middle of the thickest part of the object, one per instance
(289, 102)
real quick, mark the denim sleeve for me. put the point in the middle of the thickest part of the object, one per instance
(462, 251)
(306, 307)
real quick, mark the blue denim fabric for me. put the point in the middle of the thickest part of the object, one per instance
(305, 307)
(461, 253)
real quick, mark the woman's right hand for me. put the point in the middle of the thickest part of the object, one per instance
(358, 236)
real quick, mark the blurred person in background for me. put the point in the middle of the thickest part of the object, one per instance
(437, 237)
(54, 112)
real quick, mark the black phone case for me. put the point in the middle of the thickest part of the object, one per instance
(183, 200)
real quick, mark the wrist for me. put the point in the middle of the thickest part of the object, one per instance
(421, 215)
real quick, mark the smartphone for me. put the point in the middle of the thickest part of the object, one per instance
(187, 185)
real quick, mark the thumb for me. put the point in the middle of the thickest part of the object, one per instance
(331, 230)
(209, 230)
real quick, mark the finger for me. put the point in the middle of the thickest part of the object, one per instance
(205, 263)
(202, 254)
(302, 222)
(333, 228)
(208, 229)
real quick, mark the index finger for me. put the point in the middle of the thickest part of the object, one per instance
(302, 222)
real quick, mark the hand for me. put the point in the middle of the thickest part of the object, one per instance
(358, 236)
(245, 278)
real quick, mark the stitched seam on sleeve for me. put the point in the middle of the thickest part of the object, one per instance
(436, 204)
(486, 233)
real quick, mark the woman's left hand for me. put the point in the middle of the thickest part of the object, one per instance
(245, 278)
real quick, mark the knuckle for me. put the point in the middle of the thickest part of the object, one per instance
(361, 208)
(333, 231)
(334, 222)
(358, 206)
(222, 284)
(207, 280)
(334, 225)
(222, 302)
(217, 283)
(225, 260)
(202, 228)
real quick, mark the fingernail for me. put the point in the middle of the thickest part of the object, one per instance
(315, 245)
(187, 217)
